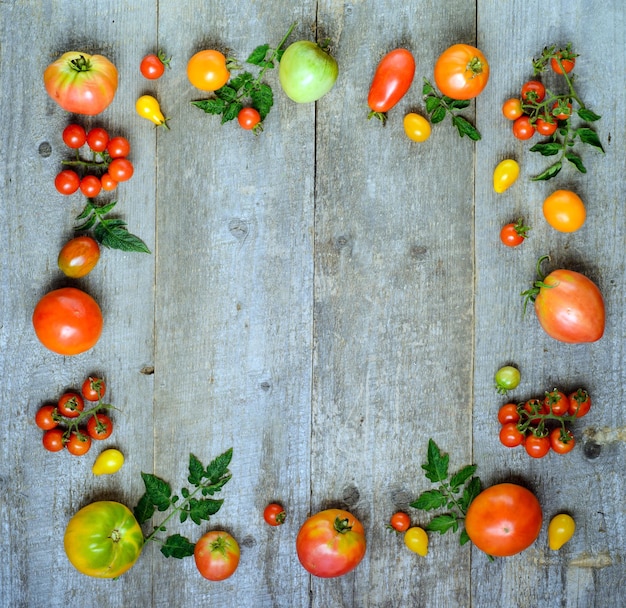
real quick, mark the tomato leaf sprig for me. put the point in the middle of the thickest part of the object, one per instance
(438, 106)
(454, 493)
(159, 497)
(110, 232)
(228, 100)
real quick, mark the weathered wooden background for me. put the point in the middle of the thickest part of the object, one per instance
(323, 298)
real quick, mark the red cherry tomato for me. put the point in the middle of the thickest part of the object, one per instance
(400, 521)
(545, 127)
(53, 440)
(99, 426)
(274, 514)
(74, 136)
(508, 413)
(153, 65)
(561, 110)
(121, 169)
(392, 79)
(510, 435)
(562, 441)
(78, 444)
(533, 91)
(98, 139)
(512, 108)
(537, 447)
(44, 418)
(67, 182)
(556, 401)
(522, 128)
(90, 186)
(93, 389)
(70, 405)
(118, 147)
(108, 183)
(248, 118)
(579, 403)
(514, 233)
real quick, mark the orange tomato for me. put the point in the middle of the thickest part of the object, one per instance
(67, 321)
(207, 70)
(461, 72)
(564, 210)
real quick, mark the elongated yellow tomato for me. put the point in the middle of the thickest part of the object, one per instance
(103, 539)
(560, 530)
(416, 540)
(109, 462)
(416, 127)
(505, 175)
(148, 107)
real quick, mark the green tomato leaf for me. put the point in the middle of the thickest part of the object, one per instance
(587, 115)
(428, 88)
(471, 491)
(438, 114)
(242, 81)
(464, 127)
(457, 104)
(443, 523)
(262, 99)
(203, 509)
(231, 110)
(144, 509)
(257, 57)
(114, 235)
(436, 466)
(576, 161)
(549, 173)
(547, 149)
(218, 468)
(464, 538)
(227, 93)
(88, 224)
(589, 136)
(429, 500)
(462, 476)
(210, 106)
(158, 491)
(196, 472)
(177, 546)
(432, 103)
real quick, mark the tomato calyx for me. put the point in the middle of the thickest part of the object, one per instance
(80, 64)
(342, 526)
(475, 66)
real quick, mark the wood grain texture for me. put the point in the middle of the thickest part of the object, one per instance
(323, 298)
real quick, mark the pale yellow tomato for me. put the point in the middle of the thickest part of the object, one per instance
(416, 127)
(109, 462)
(505, 175)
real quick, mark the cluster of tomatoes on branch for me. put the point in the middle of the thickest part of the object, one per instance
(540, 425)
(69, 425)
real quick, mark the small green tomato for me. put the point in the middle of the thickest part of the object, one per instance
(507, 378)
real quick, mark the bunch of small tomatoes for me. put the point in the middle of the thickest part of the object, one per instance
(108, 166)
(540, 425)
(68, 425)
(537, 110)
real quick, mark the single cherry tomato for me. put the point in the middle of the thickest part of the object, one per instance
(99, 426)
(510, 435)
(67, 182)
(562, 110)
(522, 128)
(249, 119)
(392, 79)
(533, 91)
(70, 405)
(545, 127)
(78, 257)
(563, 62)
(507, 378)
(118, 147)
(74, 136)
(78, 444)
(207, 71)
(93, 389)
(556, 401)
(416, 127)
(153, 65)
(274, 514)
(512, 108)
(45, 417)
(90, 186)
(108, 183)
(416, 540)
(54, 440)
(505, 175)
(562, 441)
(537, 447)
(514, 233)
(400, 521)
(508, 413)
(461, 72)
(565, 211)
(560, 530)
(121, 169)
(97, 139)
(579, 403)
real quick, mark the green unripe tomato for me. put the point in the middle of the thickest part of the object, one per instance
(507, 378)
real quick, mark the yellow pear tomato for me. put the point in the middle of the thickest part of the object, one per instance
(109, 462)
(416, 540)
(148, 107)
(505, 175)
(560, 530)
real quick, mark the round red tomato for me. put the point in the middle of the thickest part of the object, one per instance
(78, 444)
(562, 441)
(121, 169)
(570, 307)
(331, 543)
(579, 403)
(248, 118)
(90, 186)
(537, 446)
(70, 405)
(400, 521)
(461, 72)
(98, 139)
(504, 519)
(67, 182)
(508, 413)
(274, 514)
(81, 83)
(45, 417)
(556, 401)
(99, 426)
(74, 136)
(93, 389)
(392, 79)
(216, 555)
(79, 256)
(67, 321)
(514, 233)
(118, 147)
(545, 127)
(153, 65)
(510, 435)
(53, 440)
(533, 91)
(512, 108)
(523, 129)
(562, 110)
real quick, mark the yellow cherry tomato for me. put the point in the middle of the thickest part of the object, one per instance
(207, 70)
(416, 127)
(108, 462)
(148, 107)
(564, 211)
(416, 540)
(560, 530)
(505, 175)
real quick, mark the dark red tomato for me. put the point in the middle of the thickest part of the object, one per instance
(533, 92)
(70, 405)
(562, 110)
(99, 426)
(510, 435)
(274, 514)
(392, 80)
(97, 139)
(331, 543)
(108, 183)
(93, 389)
(53, 440)
(90, 186)
(74, 136)
(570, 307)
(152, 66)
(248, 118)
(67, 182)
(514, 234)
(537, 447)
(121, 169)
(78, 257)
(45, 417)
(504, 519)
(508, 413)
(556, 401)
(579, 403)
(400, 521)
(522, 128)
(78, 444)
(118, 147)
(545, 127)
(562, 441)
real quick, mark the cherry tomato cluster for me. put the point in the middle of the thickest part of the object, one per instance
(109, 164)
(540, 424)
(69, 425)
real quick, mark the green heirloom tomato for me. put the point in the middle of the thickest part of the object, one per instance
(307, 72)
(103, 539)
